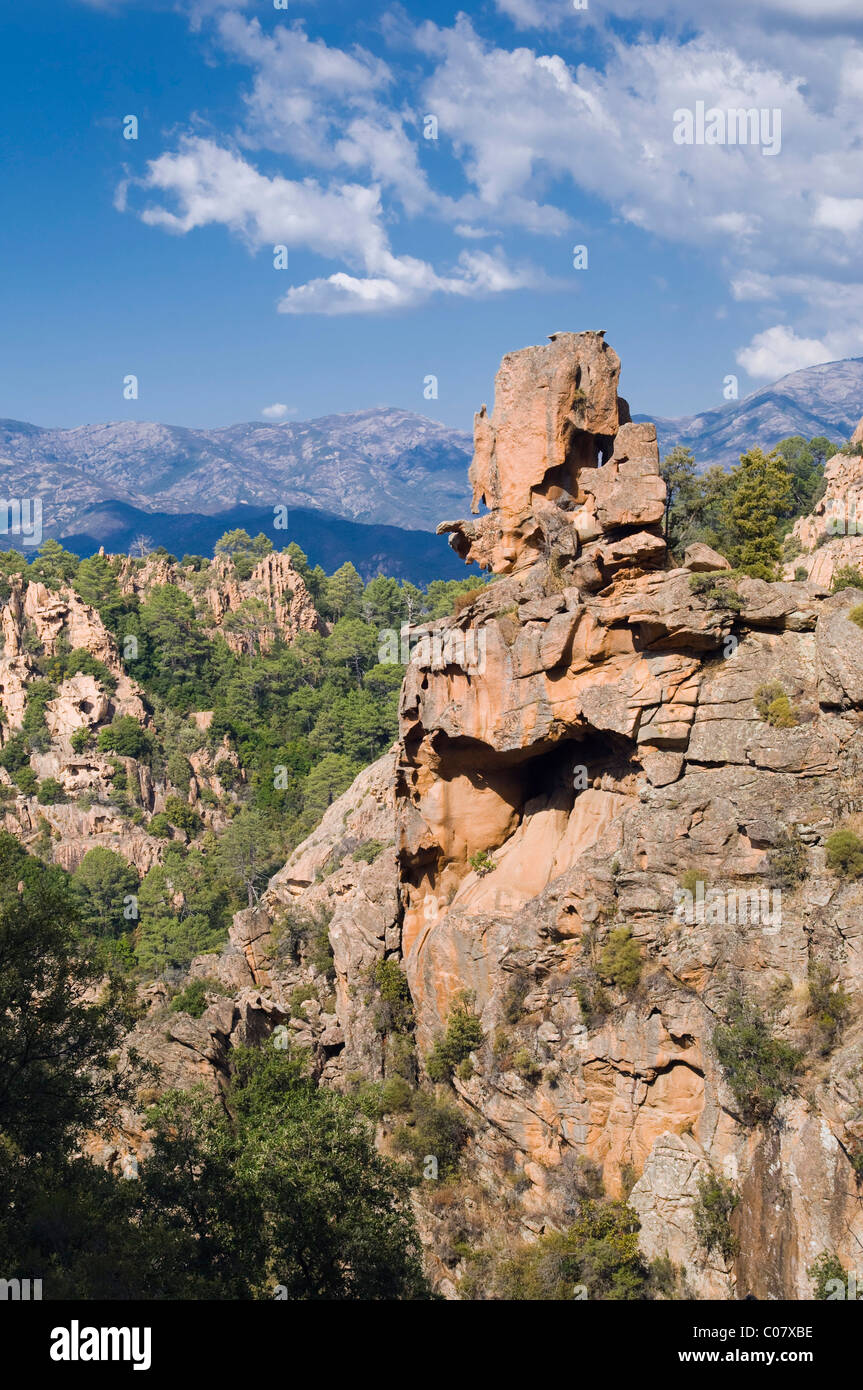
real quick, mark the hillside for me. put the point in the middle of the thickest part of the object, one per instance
(822, 400)
(546, 891)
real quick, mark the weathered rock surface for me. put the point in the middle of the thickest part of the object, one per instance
(606, 750)
(831, 537)
(282, 602)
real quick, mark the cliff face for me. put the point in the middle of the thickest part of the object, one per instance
(611, 751)
(832, 535)
(273, 585)
(581, 747)
(37, 624)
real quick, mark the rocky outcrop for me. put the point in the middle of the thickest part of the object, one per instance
(557, 415)
(38, 624)
(282, 602)
(831, 537)
(580, 748)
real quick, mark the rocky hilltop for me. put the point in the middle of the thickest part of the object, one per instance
(832, 536)
(601, 838)
(102, 797)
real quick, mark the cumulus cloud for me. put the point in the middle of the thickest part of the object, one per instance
(518, 119)
(528, 130)
(277, 411)
(839, 214)
(778, 350)
(527, 14)
(209, 184)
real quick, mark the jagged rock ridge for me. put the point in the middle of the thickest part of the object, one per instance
(607, 747)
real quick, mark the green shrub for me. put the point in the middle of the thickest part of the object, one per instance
(759, 1068)
(791, 547)
(160, 826)
(828, 1004)
(181, 814)
(620, 961)
(228, 773)
(34, 728)
(599, 1251)
(716, 1203)
(856, 614)
(846, 577)
(368, 851)
(438, 1129)
(193, 999)
(774, 706)
(179, 770)
(127, 738)
(787, 860)
(394, 1012)
(716, 591)
(482, 863)
(26, 780)
(318, 948)
(526, 1066)
(594, 1002)
(515, 994)
(463, 1035)
(845, 853)
(300, 996)
(691, 879)
(81, 739)
(15, 753)
(299, 934)
(826, 1268)
(395, 1095)
(801, 574)
(51, 792)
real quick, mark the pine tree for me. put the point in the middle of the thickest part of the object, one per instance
(759, 497)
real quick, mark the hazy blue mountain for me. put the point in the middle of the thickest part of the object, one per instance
(327, 540)
(381, 466)
(368, 486)
(827, 399)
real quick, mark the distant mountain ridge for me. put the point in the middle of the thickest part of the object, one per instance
(369, 486)
(326, 539)
(827, 399)
(382, 466)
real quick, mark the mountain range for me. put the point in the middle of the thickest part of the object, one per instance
(369, 486)
(827, 399)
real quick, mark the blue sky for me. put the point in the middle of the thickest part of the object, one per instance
(410, 256)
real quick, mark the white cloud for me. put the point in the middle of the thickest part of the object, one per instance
(213, 185)
(528, 130)
(326, 107)
(464, 229)
(277, 411)
(694, 13)
(778, 350)
(839, 214)
(409, 283)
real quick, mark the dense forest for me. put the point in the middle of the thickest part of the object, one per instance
(301, 719)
